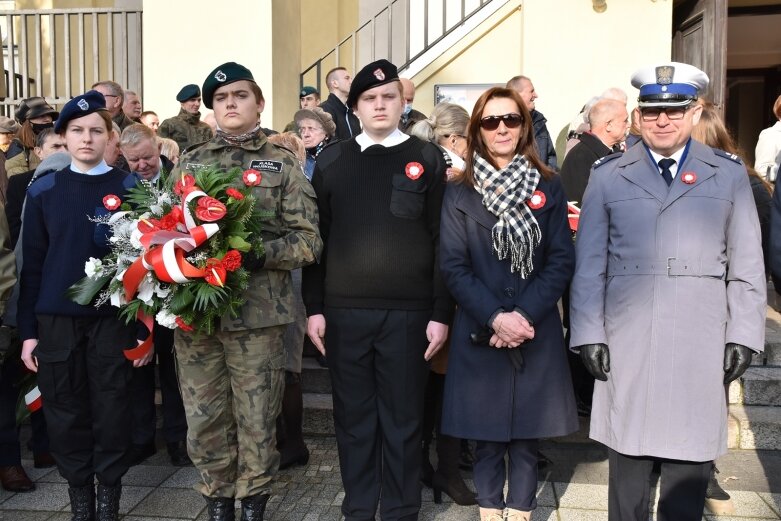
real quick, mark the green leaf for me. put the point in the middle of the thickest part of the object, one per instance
(237, 243)
(84, 291)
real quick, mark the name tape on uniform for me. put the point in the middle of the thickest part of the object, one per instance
(265, 165)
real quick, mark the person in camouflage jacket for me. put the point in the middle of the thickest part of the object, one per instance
(232, 381)
(186, 128)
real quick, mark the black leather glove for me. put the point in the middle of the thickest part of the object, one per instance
(252, 262)
(737, 358)
(596, 358)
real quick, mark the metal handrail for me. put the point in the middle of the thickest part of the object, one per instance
(386, 13)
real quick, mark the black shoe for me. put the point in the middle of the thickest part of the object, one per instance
(426, 469)
(714, 490)
(454, 487)
(253, 507)
(107, 503)
(220, 508)
(136, 454)
(82, 502)
(290, 456)
(177, 451)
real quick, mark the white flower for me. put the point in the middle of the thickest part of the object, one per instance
(146, 290)
(118, 299)
(162, 292)
(135, 239)
(93, 268)
(166, 319)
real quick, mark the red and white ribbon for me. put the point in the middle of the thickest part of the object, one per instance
(33, 399)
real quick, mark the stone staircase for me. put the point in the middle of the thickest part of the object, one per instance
(754, 399)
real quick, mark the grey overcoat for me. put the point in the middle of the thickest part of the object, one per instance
(665, 276)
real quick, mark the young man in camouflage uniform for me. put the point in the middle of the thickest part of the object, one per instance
(186, 128)
(232, 381)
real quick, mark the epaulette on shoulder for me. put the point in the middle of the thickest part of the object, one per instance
(732, 157)
(608, 158)
(192, 148)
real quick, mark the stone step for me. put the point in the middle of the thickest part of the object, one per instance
(772, 354)
(318, 414)
(314, 378)
(754, 427)
(757, 386)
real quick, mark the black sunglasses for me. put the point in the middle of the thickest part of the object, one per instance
(511, 120)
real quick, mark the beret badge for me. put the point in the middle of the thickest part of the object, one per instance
(83, 104)
(220, 76)
(379, 74)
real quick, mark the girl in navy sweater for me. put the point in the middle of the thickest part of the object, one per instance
(77, 350)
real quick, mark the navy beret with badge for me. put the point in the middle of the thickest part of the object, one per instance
(188, 92)
(225, 74)
(373, 75)
(671, 84)
(80, 106)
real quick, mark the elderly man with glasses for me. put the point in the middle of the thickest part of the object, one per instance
(668, 299)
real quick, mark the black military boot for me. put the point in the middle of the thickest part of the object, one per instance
(82, 502)
(220, 508)
(108, 503)
(714, 490)
(448, 478)
(253, 507)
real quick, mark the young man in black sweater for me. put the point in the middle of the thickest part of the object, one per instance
(377, 289)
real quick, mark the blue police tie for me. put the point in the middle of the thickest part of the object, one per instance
(665, 165)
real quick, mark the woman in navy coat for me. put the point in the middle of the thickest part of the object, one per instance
(506, 256)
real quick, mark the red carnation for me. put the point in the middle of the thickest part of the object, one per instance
(232, 260)
(184, 185)
(184, 326)
(251, 177)
(232, 192)
(210, 209)
(171, 219)
(111, 202)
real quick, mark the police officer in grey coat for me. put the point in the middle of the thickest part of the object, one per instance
(668, 299)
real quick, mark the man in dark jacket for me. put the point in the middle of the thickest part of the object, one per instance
(347, 124)
(608, 121)
(542, 138)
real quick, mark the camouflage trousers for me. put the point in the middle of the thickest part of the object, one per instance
(232, 384)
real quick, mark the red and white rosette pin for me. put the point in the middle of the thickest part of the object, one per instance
(537, 200)
(111, 202)
(689, 178)
(413, 170)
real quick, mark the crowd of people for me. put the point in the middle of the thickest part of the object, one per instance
(425, 258)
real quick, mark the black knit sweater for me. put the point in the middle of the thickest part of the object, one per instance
(380, 227)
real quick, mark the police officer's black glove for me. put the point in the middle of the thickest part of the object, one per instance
(596, 358)
(737, 358)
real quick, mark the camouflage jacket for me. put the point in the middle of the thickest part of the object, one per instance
(289, 230)
(123, 120)
(186, 129)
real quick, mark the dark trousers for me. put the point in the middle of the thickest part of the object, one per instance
(10, 450)
(378, 375)
(142, 389)
(83, 376)
(490, 472)
(681, 495)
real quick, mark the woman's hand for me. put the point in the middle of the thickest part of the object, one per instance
(511, 330)
(30, 362)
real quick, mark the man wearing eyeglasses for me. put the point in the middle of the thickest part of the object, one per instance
(668, 299)
(115, 98)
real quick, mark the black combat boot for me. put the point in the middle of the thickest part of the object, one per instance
(253, 507)
(108, 503)
(714, 490)
(221, 508)
(82, 502)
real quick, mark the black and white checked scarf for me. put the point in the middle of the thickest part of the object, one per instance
(238, 139)
(505, 193)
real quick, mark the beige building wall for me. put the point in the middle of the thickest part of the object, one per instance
(324, 23)
(570, 52)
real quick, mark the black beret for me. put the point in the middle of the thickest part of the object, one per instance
(78, 107)
(188, 92)
(373, 75)
(225, 74)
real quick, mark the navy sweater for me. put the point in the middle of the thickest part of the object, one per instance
(59, 237)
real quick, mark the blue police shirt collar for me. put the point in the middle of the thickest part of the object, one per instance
(100, 168)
